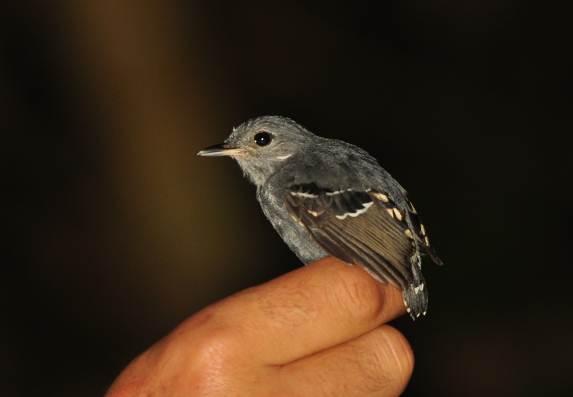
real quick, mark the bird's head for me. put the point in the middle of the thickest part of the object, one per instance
(261, 145)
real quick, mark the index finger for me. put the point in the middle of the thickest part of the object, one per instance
(310, 309)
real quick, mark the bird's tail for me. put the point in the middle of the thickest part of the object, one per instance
(416, 295)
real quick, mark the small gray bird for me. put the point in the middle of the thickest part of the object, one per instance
(328, 197)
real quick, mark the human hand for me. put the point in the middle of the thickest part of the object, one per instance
(317, 331)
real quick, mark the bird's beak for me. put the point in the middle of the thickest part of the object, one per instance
(220, 150)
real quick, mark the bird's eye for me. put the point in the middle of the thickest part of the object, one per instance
(263, 138)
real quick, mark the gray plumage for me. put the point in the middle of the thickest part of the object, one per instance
(328, 197)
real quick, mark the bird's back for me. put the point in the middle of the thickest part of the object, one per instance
(341, 202)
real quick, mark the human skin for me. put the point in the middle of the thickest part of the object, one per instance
(317, 331)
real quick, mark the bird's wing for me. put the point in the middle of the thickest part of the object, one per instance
(363, 227)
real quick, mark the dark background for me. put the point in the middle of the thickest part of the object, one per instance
(117, 232)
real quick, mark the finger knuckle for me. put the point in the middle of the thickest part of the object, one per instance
(391, 361)
(361, 296)
(403, 354)
(206, 362)
(124, 390)
(213, 356)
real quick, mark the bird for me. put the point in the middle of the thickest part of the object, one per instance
(326, 197)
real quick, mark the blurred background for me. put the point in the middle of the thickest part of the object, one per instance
(117, 231)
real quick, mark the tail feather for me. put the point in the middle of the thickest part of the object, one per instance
(416, 295)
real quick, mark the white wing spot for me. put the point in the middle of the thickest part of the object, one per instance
(382, 197)
(294, 218)
(408, 233)
(355, 214)
(408, 310)
(397, 213)
(390, 212)
(303, 194)
(419, 288)
(427, 241)
(415, 258)
(313, 213)
(422, 229)
(334, 193)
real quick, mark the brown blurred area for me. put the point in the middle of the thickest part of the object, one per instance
(117, 232)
